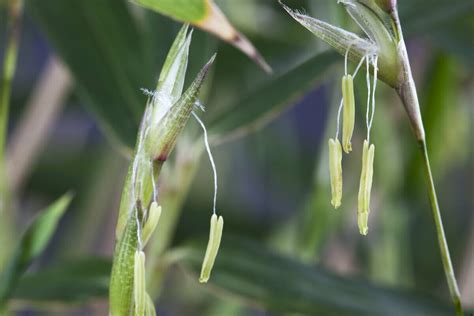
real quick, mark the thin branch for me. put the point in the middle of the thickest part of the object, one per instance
(443, 244)
(408, 95)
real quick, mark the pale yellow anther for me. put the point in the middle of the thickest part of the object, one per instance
(215, 234)
(335, 171)
(348, 117)
(154, 214)
(139, 284)
(365, 187)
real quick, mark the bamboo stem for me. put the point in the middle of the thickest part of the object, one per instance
(443, 244)
(408, 95)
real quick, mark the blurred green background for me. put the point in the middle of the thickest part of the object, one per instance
(273, 178)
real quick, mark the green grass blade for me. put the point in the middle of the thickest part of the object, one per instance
(32, 244)
(192, 11)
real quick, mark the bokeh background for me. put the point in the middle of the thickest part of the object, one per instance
(273, 177)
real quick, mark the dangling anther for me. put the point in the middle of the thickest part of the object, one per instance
(365, 187)
(348, 117)
(215, 235)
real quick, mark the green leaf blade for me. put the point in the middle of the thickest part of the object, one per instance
(32, 244)
(185, 10)
(74, 281)
(260, 277)
(259, 108)
(104, 50)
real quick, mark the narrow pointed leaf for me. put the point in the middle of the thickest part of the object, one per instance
(32, 244)
(104, 49)
(206, 15)
(261, 107)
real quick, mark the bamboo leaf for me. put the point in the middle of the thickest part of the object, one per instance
(111, 59)
(423, 16)
(32, 244)
(259, 108)
(206, 15)
(102, 46)
(260, 277)
(251, 274)
(76, 280)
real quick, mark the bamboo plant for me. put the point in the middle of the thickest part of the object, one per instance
(112, 49)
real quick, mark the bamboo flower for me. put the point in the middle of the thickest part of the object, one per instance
(380, 38)
(166, 114)
(215, 234)
(384, 48)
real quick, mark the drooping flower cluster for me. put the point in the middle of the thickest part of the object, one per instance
(379, 52)
(347, 107)
(166, 114)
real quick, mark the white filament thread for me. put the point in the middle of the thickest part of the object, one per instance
(358, 66)
(371, 93)
(367, 77)
(211, 159)
(374, 87)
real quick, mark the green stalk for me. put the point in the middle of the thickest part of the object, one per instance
(409, 97)
(443, 244)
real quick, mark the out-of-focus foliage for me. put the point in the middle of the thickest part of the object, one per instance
(73, 281)
(31, 245)
(260, 277)
(273, 184)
